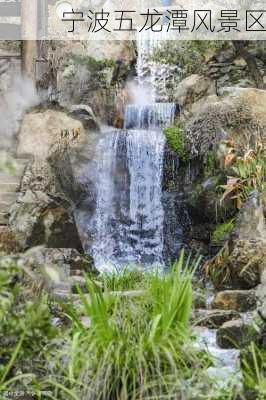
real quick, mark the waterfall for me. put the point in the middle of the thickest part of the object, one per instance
(149, 116)
(157, 76)
(126, 226)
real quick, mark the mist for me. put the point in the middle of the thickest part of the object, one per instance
(13, 104)
(137, 94)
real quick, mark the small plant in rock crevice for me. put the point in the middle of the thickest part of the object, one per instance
(222, 230)
(176, 140)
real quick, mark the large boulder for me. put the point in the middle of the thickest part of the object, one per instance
(44, 130)
(51, 270)
(38, 218)
(243, 258)
(85, 114)
(232, 115)
(69, 260)
(192, 89)
(238, 300)
(236, 334)
(60, 145)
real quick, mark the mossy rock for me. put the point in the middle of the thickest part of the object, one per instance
(176, 140)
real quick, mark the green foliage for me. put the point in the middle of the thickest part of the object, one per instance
(210, 164)
(248, 173)
(252, 173)
(222, 230)
(93, 65)
(176, 141)
(128, 279)
(189, 55)
(135, 347)
(25, 328)
(254, 371)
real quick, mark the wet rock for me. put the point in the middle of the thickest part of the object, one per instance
(261, 295)
(85, 114)
(38, 218)
(214, 318)
(200, 299)
(238, 300)
(243, 257)
(235, 334)
(192, 88)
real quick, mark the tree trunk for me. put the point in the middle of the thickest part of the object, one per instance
(251, 63)
(29, 38)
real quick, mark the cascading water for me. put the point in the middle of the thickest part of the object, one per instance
(127, 224)
(149, 116)
(157, 76)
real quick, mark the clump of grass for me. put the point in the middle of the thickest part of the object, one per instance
(176, 141)
(254, 371)
(135, 348)
(127, 279)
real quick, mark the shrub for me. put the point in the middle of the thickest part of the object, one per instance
(189, 56)
(25, 329)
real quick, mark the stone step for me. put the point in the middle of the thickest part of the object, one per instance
(7, 178)
(238, 300)
(235, 334)
(214, 318)
(5, 207)
(8, 197)
(11, 187)
(4, 217)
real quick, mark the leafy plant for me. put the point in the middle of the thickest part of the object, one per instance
(176, 141)
(217, 268)
(25, 328)
(248, 173)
